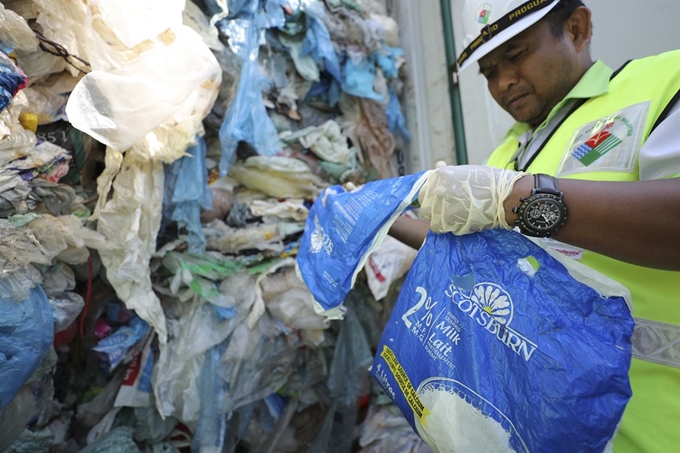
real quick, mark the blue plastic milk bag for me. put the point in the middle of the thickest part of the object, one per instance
(343, 228)
(494, 347)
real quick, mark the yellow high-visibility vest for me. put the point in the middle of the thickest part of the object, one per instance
(600, 141)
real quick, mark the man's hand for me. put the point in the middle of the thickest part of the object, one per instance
(467, 198)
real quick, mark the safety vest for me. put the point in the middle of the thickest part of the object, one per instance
(600, 140)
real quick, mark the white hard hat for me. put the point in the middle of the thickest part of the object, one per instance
(489, 23)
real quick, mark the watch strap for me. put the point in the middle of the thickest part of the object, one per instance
(545, 184)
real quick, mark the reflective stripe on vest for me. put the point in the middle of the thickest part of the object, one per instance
(656, 342)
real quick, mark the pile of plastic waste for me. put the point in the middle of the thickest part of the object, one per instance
(157, 164)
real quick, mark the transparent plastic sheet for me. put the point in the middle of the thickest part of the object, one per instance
(66, 309)
(195, 328)
(15, 32)
(130, 219)
(187, 179)
(385, 430)
(15, 141)
(57, 279)
(150, 427)
(26, 335)
(46, 104)
(163, 85)
(347, 378)
(257, 362)
(17, 285)
(32, 406)
(91, 416)
(212, 425)
(118, 440)
(66, 238)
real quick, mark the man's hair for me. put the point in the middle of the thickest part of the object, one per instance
(559, 15)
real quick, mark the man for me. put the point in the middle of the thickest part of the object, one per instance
(612, 139)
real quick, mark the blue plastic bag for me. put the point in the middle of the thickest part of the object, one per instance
(494, 346)
(246, 119)
(342, 229)
(318, 41)
(114, 348)
(26, 334)
(186, 192)
(358, 77)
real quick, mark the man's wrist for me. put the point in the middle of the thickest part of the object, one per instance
(522, 188)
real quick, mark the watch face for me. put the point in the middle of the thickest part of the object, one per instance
(542, 214)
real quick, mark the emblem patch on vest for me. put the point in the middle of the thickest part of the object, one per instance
(608, 144)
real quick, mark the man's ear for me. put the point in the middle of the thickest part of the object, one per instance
(579, 28)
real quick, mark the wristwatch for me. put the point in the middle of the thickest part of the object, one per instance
(544, 212)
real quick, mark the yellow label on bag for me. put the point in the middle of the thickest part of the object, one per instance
(419, 409)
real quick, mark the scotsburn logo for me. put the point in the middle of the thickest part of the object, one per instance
(491, 307)
(319, 240)
(483, 14)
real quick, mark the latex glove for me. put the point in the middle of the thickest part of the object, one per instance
(466, 198)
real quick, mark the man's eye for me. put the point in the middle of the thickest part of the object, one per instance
(516, 56)
(488, 74)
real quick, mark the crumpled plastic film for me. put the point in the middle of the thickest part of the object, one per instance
(130, 220)
(26, 334)
(188, 177)
(278, 177)
(247, 119)
(66, 238)
(195, 331)
(326, 141)
(15, 32)
(119, 107)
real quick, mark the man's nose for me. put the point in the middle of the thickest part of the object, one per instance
(507, 78)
